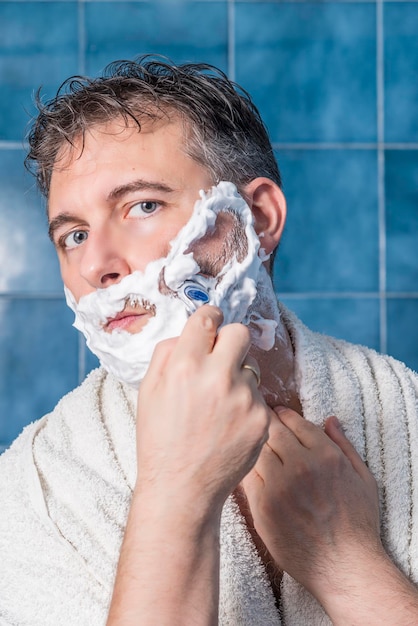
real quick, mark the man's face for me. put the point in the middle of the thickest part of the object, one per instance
(115, 205)
(144, 237)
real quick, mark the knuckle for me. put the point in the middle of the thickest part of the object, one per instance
(246, 397)
(261, 422)
(332, 457)
(185, 369)
(207, 318)
(302, 469)
(242, 332)
(219, 382)
(237, 332)
(165, 346)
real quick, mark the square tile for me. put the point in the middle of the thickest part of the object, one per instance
(311, 68)
(401, 71)
(27, 257)
(403, 330)
(330, 242)
(38, 360)
(183, 31)
(38, 46)
(401, 181)
(352, 319)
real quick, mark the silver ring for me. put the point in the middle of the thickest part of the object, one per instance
(247, 366)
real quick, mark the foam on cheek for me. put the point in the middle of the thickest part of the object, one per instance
(128, 355)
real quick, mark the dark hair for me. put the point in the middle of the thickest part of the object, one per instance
(224, 130)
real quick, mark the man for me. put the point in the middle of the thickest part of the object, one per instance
(206, 497)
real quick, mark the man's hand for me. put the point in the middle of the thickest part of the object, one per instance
(315, 505)
(201, 423)
(201, 419)
(312, 498)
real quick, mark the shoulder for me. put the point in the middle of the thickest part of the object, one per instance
(14, 460)
(12, 463)
(40, 573)
(371, 393)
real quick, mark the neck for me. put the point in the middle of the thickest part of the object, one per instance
(277, 364)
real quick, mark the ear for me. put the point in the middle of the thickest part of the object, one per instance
(268, 204)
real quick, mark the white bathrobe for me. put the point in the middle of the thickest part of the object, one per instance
(66, 484)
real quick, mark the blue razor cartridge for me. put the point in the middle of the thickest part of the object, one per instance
(193, 294)
(196, 292)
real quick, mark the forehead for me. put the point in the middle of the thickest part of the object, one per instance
(157, 149)
(112, 155)
(117, 134)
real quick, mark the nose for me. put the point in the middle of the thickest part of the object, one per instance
(103, 261)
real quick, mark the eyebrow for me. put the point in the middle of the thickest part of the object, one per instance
(61, 220)
(138, 185)
(118, 192)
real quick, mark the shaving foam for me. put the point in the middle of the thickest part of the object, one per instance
(233, 289)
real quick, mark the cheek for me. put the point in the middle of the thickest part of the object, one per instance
(150, 239)
(75, 283)
(219, 245)
(149, 243)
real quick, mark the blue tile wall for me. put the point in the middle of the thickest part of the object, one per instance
(330, 243)
(318, 61)
(401, 71)
(337, 85)
(38, 46)
(402, 318)
(39, 358)
(402, 219)
(352, 319)
(25, 250)
(184, 31)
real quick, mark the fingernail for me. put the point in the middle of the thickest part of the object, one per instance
(339, 425)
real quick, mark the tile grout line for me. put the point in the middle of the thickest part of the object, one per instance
(348, 295)
(231, 39)
(21, 295)
(381, 174)
(81, 37)
(221, 1)
(12, 145)
(340, 145)
(8, 144)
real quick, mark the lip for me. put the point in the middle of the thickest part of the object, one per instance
(126, 319)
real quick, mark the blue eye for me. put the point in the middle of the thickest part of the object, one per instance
(143, 208)
(74, 239)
